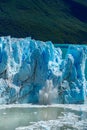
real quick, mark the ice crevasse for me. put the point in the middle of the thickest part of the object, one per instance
(34, 72)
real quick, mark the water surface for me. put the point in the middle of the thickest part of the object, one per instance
(56, 117)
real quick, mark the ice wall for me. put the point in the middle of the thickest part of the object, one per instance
(34, 72)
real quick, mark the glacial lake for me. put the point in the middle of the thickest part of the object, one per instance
(32, 117)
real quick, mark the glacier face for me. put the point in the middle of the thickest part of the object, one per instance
(34, 72)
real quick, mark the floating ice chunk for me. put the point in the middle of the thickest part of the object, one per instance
(66, 120)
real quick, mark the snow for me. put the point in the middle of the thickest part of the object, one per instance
(34, 72)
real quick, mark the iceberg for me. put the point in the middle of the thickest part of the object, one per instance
(35, 72)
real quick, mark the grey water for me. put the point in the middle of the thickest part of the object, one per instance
(59, 117)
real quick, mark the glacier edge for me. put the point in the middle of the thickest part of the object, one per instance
(34, 72)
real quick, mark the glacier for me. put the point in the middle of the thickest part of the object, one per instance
(35, 72)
